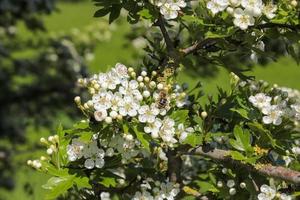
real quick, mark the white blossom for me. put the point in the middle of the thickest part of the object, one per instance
(184, 132)
(105, 196)
(94, 156)
(243, 19)
(169, 11)
(260, 100)
(153, 128)
(273, 115)
(74, 150)
(100, 115)
(269, 10)
(267, 193)
(216, 6)
(253, 7)
(167, 131)
(148, 113)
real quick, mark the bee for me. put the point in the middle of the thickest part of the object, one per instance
(162, 99)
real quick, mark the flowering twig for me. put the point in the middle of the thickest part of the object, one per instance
(267, 170)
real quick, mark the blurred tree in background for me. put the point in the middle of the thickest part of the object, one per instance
(37, 73)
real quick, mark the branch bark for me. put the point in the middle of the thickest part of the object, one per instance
(160, 23)
(277, 172)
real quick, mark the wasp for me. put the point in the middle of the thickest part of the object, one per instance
(162, 99)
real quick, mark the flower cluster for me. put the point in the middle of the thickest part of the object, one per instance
(276, 107)
(156, 190)
(52, 144)
(120, 94)
(244, 12)
(169, 8)
(93, 155)
(269, 193)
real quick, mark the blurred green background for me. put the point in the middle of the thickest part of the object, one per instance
(71, 16)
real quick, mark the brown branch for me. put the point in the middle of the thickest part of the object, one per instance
(198, 45)
(160, 23)
(278, 172)
(174, 166)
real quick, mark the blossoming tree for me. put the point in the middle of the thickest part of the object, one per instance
(144, 136)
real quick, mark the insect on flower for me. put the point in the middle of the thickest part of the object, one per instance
(162, 99)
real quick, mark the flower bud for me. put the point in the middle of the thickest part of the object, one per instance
(130, 69)
(43, 140)
(160, 86)
(56, 138)
(203, 114)
(230, 10)
(144, 73)
(243, 185)
(232, 191)
(141, 84)
(146, 79)
(152, 84)
(119, 117)
(92, 90)
(43, 158)
(294, 3)
(224, 170)
(90, 103)
(146, 94)
(29, 162)
(219, 184)
(230, 183)
(86, 106)
(51, 138)
(113, 114)
(108, 120)
(97, 86)
(154, 73)
(77, 100)
(49, 151)
(133, 74)
(140, 78)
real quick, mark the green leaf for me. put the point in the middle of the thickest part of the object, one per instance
(58, 186)
(102, 12)
(206, 187)
(237, 156)
(265, 136)
(179, 116)
(82, 182)
(221, 32)
(242, 139)
(193, 140)
(242, 112)
(108, 182)
(145, 13)
(142, 138)
(115, 13)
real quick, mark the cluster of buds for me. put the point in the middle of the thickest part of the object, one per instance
(52, 144)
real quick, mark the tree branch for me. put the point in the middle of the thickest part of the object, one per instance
(210, 41)
(266, 170)
(161, 25)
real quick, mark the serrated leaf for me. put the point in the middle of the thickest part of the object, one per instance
(142, 138)
(206, 187)
(108, 182)
(58, 186)
(179, 116)
(193, 140)
(82, 182)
